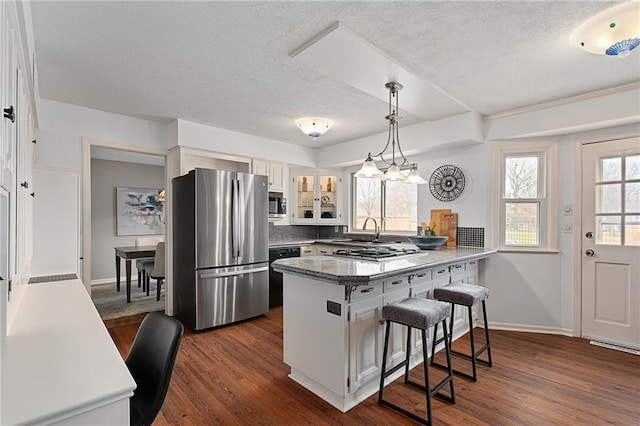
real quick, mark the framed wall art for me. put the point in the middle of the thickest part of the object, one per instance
(139, 211)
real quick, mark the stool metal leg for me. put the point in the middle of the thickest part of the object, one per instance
(384, 362)
(486, 333)
(473, 357)
(429, 392)
(426, 375)
(408, 357)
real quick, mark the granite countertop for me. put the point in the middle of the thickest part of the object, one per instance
(333, 241)
(348, 271)
(287, 243)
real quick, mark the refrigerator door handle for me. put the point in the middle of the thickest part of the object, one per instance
(233, 273)
(241, 214)
(234, 219)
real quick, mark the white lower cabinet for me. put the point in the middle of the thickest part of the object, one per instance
(396, 353)
(365, 341)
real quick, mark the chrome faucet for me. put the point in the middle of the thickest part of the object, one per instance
(376, 229)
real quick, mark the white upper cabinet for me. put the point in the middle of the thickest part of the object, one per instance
(317, 197)
(274, 171)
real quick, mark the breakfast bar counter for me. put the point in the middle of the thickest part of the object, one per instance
(332, 315)
(353, 271)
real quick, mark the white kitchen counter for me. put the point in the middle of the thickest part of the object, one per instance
(59, 363)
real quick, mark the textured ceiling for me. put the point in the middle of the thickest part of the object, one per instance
(226, 64)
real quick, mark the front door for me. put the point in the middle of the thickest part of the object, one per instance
(611, 242)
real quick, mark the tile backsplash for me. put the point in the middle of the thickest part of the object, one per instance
(292, 232)
(470, 237)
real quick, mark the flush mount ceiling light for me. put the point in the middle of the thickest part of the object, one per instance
(314, 127)
(613, 32)
(394, 172)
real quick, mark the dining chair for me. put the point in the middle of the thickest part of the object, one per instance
(156, 269)
(146, 261)
(150, 362)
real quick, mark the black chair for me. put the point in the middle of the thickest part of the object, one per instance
(150, 362)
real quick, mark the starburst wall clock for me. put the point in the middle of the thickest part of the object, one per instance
(446, 183)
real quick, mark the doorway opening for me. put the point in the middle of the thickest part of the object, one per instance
(122, 205)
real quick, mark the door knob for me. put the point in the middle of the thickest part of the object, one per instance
(589, 234)
(589, 252)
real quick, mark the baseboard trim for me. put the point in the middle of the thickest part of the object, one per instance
(123, 280)
(531, 328)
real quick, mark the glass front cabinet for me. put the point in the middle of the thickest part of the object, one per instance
(317, 197)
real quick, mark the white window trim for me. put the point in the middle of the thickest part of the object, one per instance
(549, 217)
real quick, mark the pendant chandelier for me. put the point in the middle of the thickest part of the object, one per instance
(394, 171)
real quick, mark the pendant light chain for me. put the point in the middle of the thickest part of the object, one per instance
(369, 168)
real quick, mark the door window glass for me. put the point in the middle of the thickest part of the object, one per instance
(610, 169)
(608, 198)
(618, 203)
(632, 170)
(608, 230)
(632, 230)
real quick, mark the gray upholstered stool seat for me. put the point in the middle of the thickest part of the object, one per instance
(416, 312)
(461, 294)
(464, 295)
(421, 314)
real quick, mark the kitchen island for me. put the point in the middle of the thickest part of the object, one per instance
(332, 320)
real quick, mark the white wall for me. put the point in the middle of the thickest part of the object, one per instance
(105, 177)
(194, 135)
(62, 127)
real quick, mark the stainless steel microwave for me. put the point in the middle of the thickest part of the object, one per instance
(277, 205)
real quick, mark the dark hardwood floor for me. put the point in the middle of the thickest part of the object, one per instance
(235, 375)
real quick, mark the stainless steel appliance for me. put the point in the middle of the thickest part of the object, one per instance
(277, 205)
(220, 247)
(275, 278)
(376, 253)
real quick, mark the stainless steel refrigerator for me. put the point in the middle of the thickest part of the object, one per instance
(220, 247)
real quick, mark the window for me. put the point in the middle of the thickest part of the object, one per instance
(394, 205)
(526, 196)
(618, 200)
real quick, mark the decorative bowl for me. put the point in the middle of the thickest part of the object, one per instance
(427, 243)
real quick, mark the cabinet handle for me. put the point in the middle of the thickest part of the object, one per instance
(10, 113)
(441, 271)
(396, 282)
(33, 194)
(25, 185)
(367, 290)
(422, 275)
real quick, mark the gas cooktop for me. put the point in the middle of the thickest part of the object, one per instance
(375, 253)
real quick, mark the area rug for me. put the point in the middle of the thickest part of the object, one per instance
(112, 304)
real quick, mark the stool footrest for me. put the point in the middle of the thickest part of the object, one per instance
(458, 372)
(404, 412)
(470, 357)
(394, 369)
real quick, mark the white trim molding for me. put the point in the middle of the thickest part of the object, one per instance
(548, 149)
(542, 329)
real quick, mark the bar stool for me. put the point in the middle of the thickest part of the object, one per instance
(464, 295)
(421, 314)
